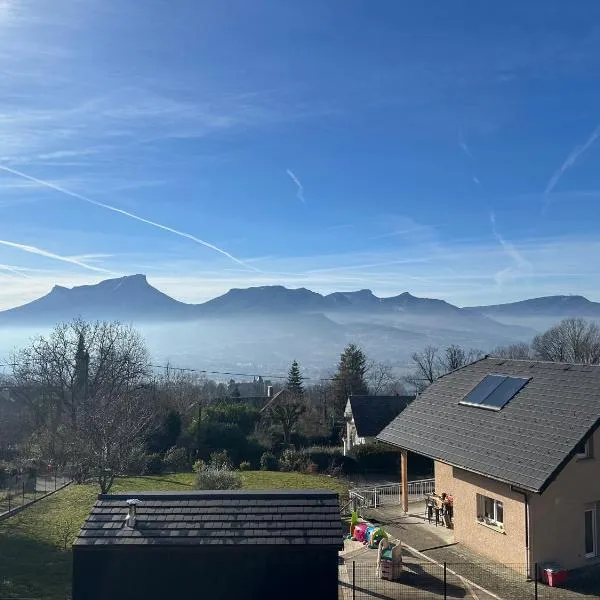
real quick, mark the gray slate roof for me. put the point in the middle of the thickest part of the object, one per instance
(526, 443)
(372, 413)
(216, 517)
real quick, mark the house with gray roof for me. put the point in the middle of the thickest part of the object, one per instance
(210, 544)
(516, 443)
(366, 416)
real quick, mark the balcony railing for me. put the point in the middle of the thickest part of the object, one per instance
(385, 495)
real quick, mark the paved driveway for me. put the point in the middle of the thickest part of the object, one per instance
(421, 579)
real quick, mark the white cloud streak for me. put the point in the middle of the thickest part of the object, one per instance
(521, 264)
(463, 145)
(131, 215)
(47, 254)
(300, 193)
(14, 270)
(572, 159)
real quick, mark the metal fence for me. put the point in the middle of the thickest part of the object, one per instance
(425, 580)
(382, 495)
(18, 491)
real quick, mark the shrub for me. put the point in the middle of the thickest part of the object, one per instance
(268, 462)
(218, 479)
(198, 465)
(220, 460)
(245, 465)
(330, 459)
(377, 457)
(154, 464)
(176, 459)
(292, 460)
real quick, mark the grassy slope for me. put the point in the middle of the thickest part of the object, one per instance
(33, 559)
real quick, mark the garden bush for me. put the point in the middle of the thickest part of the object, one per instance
(330, 459)
(209, 477)
(292, 460)
(268, 462)
(245, 465)
(154, 465)
(220, 461)
(218, 479)
(176, 459)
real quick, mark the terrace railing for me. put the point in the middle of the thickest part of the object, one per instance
(385, 495)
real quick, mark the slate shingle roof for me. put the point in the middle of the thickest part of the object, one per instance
(220, 517)
(372, 413)
(526, 443)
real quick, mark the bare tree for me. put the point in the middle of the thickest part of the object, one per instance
(110, 435)
(427, 368)
(77, 381)
(432, 363)
(572, 340)
(518, 351)
(382, 380)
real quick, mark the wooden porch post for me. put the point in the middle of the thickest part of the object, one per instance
(404, 479)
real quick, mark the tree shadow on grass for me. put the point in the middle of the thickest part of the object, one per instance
(33, 569)
(162, 480)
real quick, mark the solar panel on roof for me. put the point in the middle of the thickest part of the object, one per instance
(504, 392)
(494, 391)
(483, 389)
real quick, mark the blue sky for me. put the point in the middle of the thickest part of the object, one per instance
(448, 149)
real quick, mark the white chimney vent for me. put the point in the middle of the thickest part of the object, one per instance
(269, 391)
(130, 519)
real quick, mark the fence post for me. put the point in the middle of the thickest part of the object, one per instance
(445, 583)
(8, 494)
(535, 581)
(23, 495)
(54, 480)
(353, 580)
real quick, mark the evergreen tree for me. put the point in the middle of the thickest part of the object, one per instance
(350, 376)
(294, 381)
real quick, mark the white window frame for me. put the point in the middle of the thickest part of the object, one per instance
(587, 450)
(481, 516)
(594, 551)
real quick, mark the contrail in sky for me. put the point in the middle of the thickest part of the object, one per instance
(183, 234)
(300, 193)
(463, 145)
(508, 248)
(40, 252)
(14, 271)
(572, 159)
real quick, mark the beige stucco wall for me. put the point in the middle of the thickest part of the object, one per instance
(557, 525)
(556, 517)
(507, 547)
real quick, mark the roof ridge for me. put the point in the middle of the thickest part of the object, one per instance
(543, 362)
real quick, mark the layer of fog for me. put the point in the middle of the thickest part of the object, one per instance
(267, 345)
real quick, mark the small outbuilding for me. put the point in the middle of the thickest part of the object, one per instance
(210, 544)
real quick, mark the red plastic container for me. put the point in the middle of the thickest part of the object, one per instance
(554, 578)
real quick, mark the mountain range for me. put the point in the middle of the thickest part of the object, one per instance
(281, 323)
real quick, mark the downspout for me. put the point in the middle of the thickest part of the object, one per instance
(527, 528)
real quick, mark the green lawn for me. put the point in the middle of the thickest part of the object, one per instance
(35, 556)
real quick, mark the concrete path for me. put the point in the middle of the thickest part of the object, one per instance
(436, 544)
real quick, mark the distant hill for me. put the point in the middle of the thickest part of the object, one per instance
(267, 326)
(129, 298)
(547, 306)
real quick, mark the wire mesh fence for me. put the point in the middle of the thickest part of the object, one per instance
(425, 580)
(22, 489)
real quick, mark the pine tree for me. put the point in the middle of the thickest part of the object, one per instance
(350, 376)
(294, 381)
